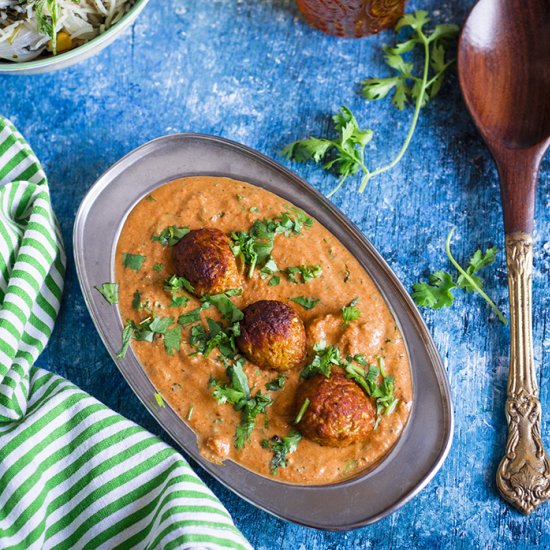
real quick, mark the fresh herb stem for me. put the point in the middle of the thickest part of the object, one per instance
(470, 279)
(418, 106)
(302, 411)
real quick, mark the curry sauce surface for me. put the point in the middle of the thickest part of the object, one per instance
(183, 379)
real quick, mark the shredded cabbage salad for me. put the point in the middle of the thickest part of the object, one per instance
(30, 28)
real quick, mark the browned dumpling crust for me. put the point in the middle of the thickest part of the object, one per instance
(339, 412)
(205, 259)
(272, 336)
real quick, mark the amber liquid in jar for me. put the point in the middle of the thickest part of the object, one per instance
(352, 18)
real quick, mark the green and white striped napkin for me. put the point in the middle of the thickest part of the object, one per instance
(74, 474)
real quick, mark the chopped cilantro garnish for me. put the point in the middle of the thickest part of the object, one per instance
(274, 281)
(172, 339)
(281, 448)
(225, 306)
(180, 288)
(237, 393)
(255, 246)
(127, 334)
(136, 302)
(351, 312)
(324, 357)
(305, 302)
(303, 273)
(159, 325)
(277, 383)
(158, 267)
(159, 400)
(146, 330)
(132, 261)
(269, 268)
(109, 291)
(215, 337)
(192, 316)
(171, 235)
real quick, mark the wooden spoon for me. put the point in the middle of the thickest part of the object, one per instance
(504, 71)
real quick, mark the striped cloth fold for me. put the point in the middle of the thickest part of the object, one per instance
(73, 473)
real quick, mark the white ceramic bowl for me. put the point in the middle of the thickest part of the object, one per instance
(52, 63)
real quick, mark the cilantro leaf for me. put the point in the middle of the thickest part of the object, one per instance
(269, 268)
(109, 291)
(437, 293)
(225, 306)
(303, 273)
(132, 261)
(128, 333)
(281, 448)
(351, 312)
(305, 302)
(179, 287)
(160, 400)
(277, 383)
(478, 261)
(159, 325)
(171, 235)
(172, 340)
(344, 154)
(237, 393)
(324, 357)
(192, 316)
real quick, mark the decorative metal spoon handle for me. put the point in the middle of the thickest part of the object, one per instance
(523, 476)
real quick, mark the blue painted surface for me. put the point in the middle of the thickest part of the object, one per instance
(254, 72)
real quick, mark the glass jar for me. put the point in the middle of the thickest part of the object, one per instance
(352, 18)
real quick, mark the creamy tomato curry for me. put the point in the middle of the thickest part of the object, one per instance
(326, 278)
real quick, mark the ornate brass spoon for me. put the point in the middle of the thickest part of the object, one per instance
(504, 71)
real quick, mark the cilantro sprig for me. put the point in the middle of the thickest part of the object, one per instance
(346, 153)
(437, 293)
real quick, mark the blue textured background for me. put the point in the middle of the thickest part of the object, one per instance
(253, 71)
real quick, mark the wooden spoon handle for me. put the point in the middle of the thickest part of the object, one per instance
(523, 476)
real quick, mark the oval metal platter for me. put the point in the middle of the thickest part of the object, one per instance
(426, 440)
